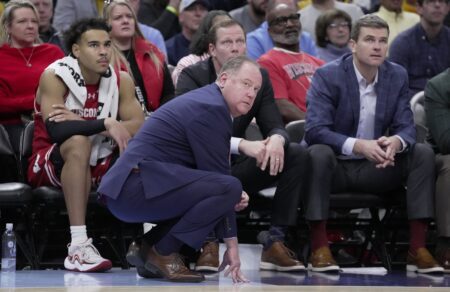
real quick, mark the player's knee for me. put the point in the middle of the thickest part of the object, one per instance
(76, 147)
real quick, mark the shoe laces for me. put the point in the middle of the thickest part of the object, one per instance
(87, 251)
(288, 251)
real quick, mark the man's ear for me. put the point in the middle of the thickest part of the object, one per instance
(212, 50)
(76, 50)
(222, 79)
(352, 45)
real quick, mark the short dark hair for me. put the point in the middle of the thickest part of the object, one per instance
(199, 43)
(327, 18)
(212, 33)
(73, 34)
(369, 20)
(420, 2)
(234, 64)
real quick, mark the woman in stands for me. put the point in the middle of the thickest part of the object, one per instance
(22, 60)
(333, 34)
(145, 61)
(199, 44)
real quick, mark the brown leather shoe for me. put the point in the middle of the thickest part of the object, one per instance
(136, 256)
(171, 267)
(322, 260)
(208, 261)
(422, 262)
(280, 258)
(443, 258)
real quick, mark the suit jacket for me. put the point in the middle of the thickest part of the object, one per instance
(183, 141)
(264, 108)
(437, 109)
(333, 104)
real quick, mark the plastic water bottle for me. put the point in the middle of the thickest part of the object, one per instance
(9, 249)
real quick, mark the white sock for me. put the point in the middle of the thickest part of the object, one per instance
(79, 234)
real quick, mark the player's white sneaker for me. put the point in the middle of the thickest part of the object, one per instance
(85, 258)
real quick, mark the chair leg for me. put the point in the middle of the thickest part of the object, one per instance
(379, 243)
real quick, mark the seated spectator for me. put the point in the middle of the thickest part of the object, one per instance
(397, 19)
(153, 84)
(151, 34)
(424, 49)
(199, 45)
(46, 31)
(259, 41)
(22, 61)
(437, 108)
(261, 163)
(68, 12)
(251, 15)
(333, 34)
(162, 15)
(177, 168)
(311, 12)
(290, 69)
(352, 104)
(77, 136)
(191, 14)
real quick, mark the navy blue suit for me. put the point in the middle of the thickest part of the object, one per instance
(177, 166)
(333, 113)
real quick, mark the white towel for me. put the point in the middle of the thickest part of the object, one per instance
(69, 71)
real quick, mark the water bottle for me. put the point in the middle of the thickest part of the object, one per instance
(8, 249)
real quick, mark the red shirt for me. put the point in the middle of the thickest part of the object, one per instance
(18, 82)
(290, 74)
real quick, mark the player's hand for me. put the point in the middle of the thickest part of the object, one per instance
(118, 132)
(60, 114)
(243, 203)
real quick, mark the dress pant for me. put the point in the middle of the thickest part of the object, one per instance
(414, 169)
(442, 199)
(290, 182)
(188, 213)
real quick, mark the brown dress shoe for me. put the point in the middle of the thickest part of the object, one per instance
(443, 258)
(136, 256)
(280, 258)
(171, 267)
(422, 262)
(208, 261)
(321, 260)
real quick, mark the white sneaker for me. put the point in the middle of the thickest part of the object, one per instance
(85, 258)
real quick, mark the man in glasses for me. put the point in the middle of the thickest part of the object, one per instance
(430, 39)
(289, 68)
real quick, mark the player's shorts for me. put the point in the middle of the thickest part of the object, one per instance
(48, 163)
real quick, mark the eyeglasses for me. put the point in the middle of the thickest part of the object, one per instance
(343, 24)
(283, 20)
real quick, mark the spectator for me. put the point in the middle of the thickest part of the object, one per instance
(260, 42)
(262, 163)
(437, 108)
(290, 70)
(68, 12)
(153, 84)
(177, 168)
(162, 15)
(397, 19)
(191, 14)
(311, 12)
(251, 15)
(46, 31)
(333, 34)
(22, 61)
(151, 34)
(352, 104)
(76, 130)
(431, 42)
(200, 44)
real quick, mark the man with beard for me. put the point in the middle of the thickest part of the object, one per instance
(290, 69)
(431, 42)
(251, 15)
